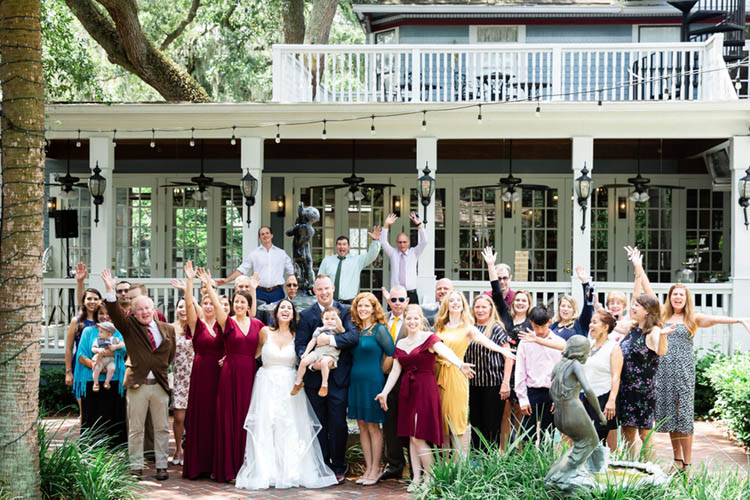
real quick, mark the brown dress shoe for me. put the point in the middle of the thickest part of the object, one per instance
(323, 392)
(162, 474)
(297, 388)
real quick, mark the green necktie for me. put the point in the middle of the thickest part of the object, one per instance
(338, 279)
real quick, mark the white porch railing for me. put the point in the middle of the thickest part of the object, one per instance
(501, 72)
(59, 305)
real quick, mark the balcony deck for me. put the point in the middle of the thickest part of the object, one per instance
(476, 73)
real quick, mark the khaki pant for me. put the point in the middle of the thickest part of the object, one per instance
(140, 401)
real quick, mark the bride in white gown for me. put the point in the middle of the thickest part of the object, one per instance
(282, 448)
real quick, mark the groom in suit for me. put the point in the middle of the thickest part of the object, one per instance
(330, 410)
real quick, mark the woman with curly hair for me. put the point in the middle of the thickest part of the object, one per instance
(367, 379)
(454, 326)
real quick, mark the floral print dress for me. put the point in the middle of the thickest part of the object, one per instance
(183, 365)
(636, 400)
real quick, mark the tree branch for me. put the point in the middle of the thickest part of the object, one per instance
(227, 21)
(321, 18)
(293, 20)
(178, 31)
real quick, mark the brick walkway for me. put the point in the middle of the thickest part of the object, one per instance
(710, 448)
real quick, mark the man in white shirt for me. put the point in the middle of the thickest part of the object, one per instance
(394, 453)
(345, 268)
(403, 258)
(270, 262)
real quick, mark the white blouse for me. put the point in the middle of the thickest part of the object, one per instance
(598, 367)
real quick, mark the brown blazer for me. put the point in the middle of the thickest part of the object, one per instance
(141, 359)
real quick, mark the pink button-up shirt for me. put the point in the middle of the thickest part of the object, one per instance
(534, 364)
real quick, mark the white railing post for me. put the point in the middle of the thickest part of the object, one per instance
(416, 76)
(102, 153)
(557, 74)
(740, 265)
(277, 73)
(251, 160)
(427, 155)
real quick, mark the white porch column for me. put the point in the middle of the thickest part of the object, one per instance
(583, 153)
(251, 160)
(739, 161)
(102, 152)
(427, 155)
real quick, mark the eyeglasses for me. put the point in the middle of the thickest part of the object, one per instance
(399, 299)
(125, 290)
(292, 285)
(504, 278)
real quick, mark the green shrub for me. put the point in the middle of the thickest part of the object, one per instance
(730, 378)
(84, 467)
(54, 396)
(705, 395)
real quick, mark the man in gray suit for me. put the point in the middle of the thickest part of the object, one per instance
(394, 454)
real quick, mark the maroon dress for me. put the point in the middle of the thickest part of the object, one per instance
(233, 397)
(419, 412)
(200, 419)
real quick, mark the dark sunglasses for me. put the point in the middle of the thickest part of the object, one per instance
(126, 290)
(400, 299)
(293, 285)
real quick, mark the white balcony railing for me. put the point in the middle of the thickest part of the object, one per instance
(59, 306)
(501, 72)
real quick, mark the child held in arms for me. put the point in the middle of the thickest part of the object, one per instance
(324, 358)
(103, 349)
(534, 365)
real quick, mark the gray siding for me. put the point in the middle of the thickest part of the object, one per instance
(433, 34)
(606, 33)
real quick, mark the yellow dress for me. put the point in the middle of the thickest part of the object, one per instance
(454, 386)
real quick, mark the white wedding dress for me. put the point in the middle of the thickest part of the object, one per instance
(282, 447)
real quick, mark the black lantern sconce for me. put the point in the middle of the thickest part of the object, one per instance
(51, 206)
(280, 205)
(744, 190)
(97, 186)
(396, 205)
(426, 189)
(249, 186)
(582, 187)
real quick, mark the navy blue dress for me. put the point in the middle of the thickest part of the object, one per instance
(367, 377)
(636, 401)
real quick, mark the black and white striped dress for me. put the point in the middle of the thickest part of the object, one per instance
(675, 383)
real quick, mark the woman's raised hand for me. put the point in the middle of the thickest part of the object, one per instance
(204, 275)
(189, 270)
(179, 284)
(581, 274)
(490, 257)
(109, 281)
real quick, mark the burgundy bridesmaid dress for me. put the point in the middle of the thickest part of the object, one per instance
(233, 397)
(419, 412)
(200, 419)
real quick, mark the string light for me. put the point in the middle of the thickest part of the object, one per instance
(372, 125)
(479, 116)
(737, 83)
(233, 140)
(599, 104)
(538, 111)
(424, 121)
(78, 141)
(278, 133)
(114, 138)
(192, 137)
(153, 138)
(324, 135)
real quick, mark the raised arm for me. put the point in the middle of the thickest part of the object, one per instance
(221, 316)
(485, 342)
(548, 341)
(497, 293)
(254, 282)
(422, 239)
(634, 255)
(350, 336)
(110, 302)
(192, 314)
(707, 321)
(372, 253)
(584, 319)
(80, 278)
(387, 248)
(447, 353)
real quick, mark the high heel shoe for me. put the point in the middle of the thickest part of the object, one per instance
(370, 481)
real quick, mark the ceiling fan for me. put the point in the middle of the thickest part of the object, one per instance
(67, 182)
(355, 183)
(511, 184)
(202, 182)
(641, 184)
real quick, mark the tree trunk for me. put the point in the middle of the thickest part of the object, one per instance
(321, 18)
(293, 21)
(122, 38)
(21, 244)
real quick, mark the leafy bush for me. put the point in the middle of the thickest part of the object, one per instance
(54, 396)
(519, 474)
(730, 378)
(84, 467)
(705, 395)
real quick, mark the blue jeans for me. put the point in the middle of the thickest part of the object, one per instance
(269, 297)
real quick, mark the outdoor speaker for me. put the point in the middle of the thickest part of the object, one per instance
(66, 224)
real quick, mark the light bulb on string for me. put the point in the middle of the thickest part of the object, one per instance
(538, 111)
(114, 138)
(192, 137)
(737, 83)
(153, 138)
(78, 141)
(424, 121)
(372, 125)
(324, 135)
(233, 140)
(278, 133)
(479, 116)
(599, 104)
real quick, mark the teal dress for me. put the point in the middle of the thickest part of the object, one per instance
(367, 378)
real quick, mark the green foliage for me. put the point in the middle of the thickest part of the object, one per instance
(730, 378)
(54, 395)
(84, 467)
(518, 473)
(705, 396)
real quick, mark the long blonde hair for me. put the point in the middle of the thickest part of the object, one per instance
(378, 316)
(443, 314)
(688, 312)
(573, 304)
(494, 317)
